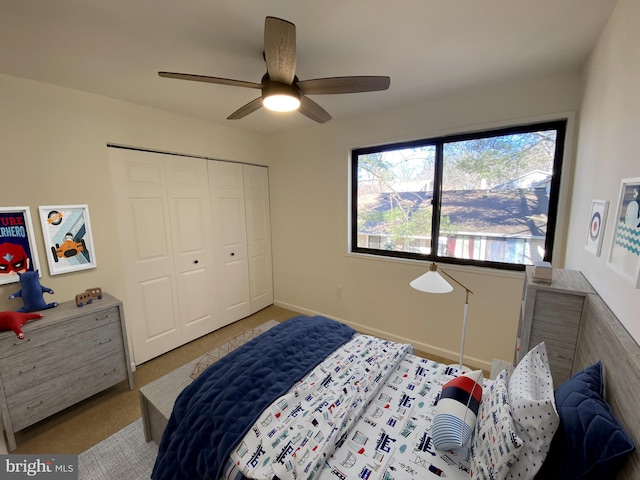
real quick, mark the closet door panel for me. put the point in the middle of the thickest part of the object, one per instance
(144, 230)
(191, 226)
(149, 238)
(258, 221)
(232, 227)
(157, 325)
(196, 292)
(226, 191)
(153, 282)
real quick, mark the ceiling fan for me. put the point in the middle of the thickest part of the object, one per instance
(281, 88)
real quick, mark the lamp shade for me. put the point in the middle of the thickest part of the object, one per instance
(431, 282)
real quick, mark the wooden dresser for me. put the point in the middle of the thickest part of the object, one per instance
(552, 312)
(68, 355)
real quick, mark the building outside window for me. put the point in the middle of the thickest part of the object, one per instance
(484, 198)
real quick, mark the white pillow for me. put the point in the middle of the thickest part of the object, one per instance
(457, 411)
(533, 409)
(496, 445)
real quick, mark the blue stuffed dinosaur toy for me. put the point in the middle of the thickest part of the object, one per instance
(32, 293)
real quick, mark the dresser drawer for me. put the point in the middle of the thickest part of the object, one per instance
(32, 405)
(564, 311)
(36, 366)
(41, 334)
(560, 352)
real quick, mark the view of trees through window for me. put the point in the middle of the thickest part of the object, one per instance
(483, 197)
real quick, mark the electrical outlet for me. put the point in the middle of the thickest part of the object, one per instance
(339, 290)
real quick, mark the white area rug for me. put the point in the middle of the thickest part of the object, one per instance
(123, 456)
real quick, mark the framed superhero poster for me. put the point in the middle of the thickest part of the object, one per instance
(18, 252)
(67, 238)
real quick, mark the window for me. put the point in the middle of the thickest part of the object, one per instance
(484, 198)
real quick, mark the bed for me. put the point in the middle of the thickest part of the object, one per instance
(312, 398)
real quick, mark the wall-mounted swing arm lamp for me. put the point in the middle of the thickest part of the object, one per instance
(433, 282)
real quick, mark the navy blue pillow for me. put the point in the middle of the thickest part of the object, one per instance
(590, 443)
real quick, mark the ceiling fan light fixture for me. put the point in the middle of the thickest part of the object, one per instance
(282, 91)
(281, 103)
(280, 97)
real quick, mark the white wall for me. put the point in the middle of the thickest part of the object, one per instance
(309, 198)
(608, 151)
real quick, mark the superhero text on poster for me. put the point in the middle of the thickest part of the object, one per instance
(17, 252)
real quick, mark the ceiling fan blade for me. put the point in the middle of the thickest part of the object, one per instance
(280, 49)
(311, 109)
(204, 78)
(336, 85)
(245, 110)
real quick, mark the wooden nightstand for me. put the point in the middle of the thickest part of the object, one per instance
(552, 312)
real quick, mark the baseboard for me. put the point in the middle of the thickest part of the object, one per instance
(425, 347)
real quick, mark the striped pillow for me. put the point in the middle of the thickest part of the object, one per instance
(457, 411)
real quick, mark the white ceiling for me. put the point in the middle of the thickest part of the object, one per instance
(428, 47)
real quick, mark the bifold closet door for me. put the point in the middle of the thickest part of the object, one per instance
(242, 231)
(258, 220)
(226, 190)
(165, 230)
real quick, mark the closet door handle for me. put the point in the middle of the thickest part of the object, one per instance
(195, 261)
(232, 254)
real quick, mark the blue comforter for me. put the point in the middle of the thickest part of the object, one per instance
(214, 413)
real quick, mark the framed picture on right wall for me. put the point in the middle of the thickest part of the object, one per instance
(597, 223)
(624, 254)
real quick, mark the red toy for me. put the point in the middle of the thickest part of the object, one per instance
(15, 320)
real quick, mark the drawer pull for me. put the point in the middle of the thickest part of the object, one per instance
(99, 319)
(104, 343)
(20, 372)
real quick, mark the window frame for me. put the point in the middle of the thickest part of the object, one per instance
(560, 125)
